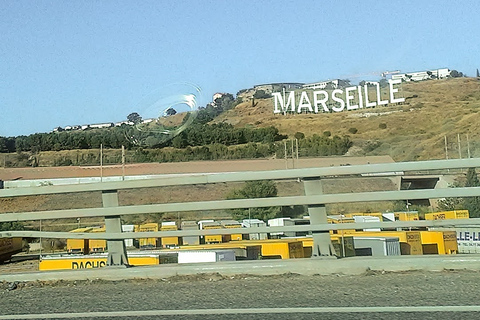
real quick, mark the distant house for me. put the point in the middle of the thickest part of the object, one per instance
(272, 87)
(322, 84)
(100, 125)
(423, 75)
(389, 74)
(126, 122)
(269, 88)
(217, 95)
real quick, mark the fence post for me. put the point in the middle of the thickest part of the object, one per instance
(322, 244)
(117, 252)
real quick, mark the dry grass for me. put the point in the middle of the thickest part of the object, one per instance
(415, 130)
(208, 192)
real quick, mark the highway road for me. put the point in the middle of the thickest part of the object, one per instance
(270, 295)
(258, 297)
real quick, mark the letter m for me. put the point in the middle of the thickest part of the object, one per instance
(284, 105)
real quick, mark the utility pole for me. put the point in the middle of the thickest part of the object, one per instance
(101, 162)
(446, 148)
(468, 147)
(296, 142)
(123, 162)
(293, 157)
(40, 228)
(285, 154)
(459, 146)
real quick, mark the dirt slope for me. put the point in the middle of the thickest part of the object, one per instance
(433, 109)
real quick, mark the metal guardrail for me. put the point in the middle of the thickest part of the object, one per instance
(248, 176)
(314, 199)
(243, 203)
(298, 228)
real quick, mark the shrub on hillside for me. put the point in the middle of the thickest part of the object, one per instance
(299, 135)
(261, 94)
(353, 130)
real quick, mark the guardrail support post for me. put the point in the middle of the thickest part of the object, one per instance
(322, 244)
(117, 252)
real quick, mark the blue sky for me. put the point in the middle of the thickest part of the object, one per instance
(79, 62)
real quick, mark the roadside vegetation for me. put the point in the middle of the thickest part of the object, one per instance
(441, 116)
(203, 140)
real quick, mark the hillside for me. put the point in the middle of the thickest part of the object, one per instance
(432, 110)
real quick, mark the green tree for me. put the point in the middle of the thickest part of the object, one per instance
(450, 204)
(134, 117)
(251, 190)
(261, 94)
(383, 83)
(472, 204)
(456, 74)
(299, 135)
(11, 226)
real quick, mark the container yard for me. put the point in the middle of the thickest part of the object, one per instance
(247, 245)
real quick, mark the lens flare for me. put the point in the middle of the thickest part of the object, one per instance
(166, 113)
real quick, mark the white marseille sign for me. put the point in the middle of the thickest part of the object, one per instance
(317, 102)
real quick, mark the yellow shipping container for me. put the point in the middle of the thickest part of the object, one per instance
(97, 245)
(278, 248)
(169, 241)
(447, 215)
(340, 219)
(450, 242)
(90, 262)
(148, 243)
(214, 238)
(439, 242)
(285, 250)
(78, 245)
(233, 236)
(406, 216)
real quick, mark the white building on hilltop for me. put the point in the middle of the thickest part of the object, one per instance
(322, 84)
(423, 75)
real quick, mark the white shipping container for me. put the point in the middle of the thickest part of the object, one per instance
(281, 222)
(468, 239)
(190, 240)
(367, 219)
(377, 246)
(128, 228)
(205, 256)
(255, 223)
(390, 216)
(202, 222)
